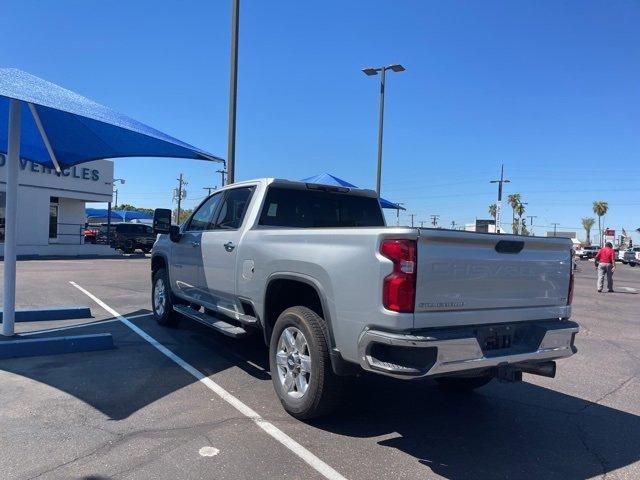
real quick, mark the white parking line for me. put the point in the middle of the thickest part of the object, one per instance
(313, 461)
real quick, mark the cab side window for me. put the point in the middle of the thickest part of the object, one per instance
(203, 219)
(234, 208)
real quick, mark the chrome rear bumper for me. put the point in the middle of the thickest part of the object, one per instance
(456, 350)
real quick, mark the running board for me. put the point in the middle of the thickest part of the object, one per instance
(222, 327)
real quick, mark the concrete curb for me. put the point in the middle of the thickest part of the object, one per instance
(55, 345)
(56, 313)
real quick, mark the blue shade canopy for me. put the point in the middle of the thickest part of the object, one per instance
(78, 129)
(122, 215)
(328, 179)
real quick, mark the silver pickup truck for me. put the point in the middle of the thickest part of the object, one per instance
(334, 291)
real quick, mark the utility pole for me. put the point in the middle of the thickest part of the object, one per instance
(398, 214)
(499, 202)
(209, 189)
(453, 225)
(222, 173)
(179, 194)
(115, 191)
(233, 91)
(434, 220)
(555, 225)
(421, 223)
(531, 217)
(412, 215)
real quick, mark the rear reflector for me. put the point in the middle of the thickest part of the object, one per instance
(399, 287)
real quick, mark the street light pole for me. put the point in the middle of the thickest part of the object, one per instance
(382, 71)
(380, 132)
(233, 91)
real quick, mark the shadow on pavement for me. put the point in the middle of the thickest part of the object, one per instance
(502, 431)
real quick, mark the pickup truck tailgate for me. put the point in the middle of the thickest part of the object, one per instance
(474, 278)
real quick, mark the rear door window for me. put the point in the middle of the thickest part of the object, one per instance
(297, 208)
(234, 208)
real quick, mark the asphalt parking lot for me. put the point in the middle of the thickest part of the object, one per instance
(137, 412)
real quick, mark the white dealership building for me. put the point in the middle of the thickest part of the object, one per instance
(51, 207)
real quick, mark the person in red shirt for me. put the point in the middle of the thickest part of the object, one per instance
(606, 265)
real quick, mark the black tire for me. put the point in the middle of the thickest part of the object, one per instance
(462, 384)
(324, 391)
(167, 317)
(129, 246)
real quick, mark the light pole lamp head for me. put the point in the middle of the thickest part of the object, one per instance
(396, 67)
(370, 71)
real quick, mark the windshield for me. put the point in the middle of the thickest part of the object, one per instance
(287, 207)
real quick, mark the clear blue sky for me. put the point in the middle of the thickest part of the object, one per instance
(552, 89)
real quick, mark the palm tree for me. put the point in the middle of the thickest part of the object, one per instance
(493, 210)
(514, 201)
(587, 224)
(520, 211)
(600, 208)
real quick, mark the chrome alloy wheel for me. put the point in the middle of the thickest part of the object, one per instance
(293, 362)
(159, 297)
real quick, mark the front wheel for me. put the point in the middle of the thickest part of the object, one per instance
(300, 364)
(162, 301)
(462, 384)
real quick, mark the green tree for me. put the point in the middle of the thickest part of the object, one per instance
(587, 224)
(493, 210)
(514, 200)
(130, 208)
(519, 210)
(600, 208)
(184, 214)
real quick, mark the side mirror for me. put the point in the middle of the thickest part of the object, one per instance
(161, 220)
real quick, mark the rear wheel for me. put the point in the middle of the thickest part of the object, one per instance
(162, 301)
(300, 365)
(462, 384)
(129, 246)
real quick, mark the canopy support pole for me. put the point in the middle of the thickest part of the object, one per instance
(45, 138)
(10, 227)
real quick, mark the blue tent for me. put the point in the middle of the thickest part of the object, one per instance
(78, 129)
(57, 128)
(328, 179)
(118, 215)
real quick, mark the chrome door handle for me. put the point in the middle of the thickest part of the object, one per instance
(229, 246)
(195, 244)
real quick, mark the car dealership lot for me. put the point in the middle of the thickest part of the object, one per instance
(133, 412)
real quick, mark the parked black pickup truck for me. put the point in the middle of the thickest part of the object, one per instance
(131, 236)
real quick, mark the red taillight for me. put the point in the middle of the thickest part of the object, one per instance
(399, 288)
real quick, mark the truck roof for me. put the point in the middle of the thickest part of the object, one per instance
(311, 186)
